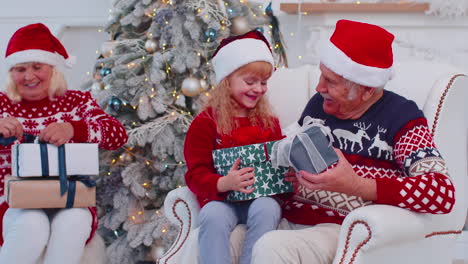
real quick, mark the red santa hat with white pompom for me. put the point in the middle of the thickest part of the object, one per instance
(359, 52)
(237, 51)
(35, 43)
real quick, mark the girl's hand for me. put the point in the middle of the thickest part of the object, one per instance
(57, 133)
(237, 180)
(11, 127)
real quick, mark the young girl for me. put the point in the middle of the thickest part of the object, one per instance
(236, 114)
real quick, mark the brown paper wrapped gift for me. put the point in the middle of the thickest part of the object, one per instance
(45, 193)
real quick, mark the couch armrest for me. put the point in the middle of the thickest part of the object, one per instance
(181, 208)
(375, 227)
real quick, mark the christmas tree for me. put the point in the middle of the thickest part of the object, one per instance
(153, 74)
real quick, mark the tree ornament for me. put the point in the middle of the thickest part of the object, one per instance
(105, 71)
(126, 157)
(191, 86)
(210, 35)
(240, 25)
(204, 84)
(157, 252)
(231, 12)
(151, 46)
(96, 86)
(107, 48)
(115, 103)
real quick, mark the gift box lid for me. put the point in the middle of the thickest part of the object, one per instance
(80, 159)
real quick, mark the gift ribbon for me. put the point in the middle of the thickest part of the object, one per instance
(312, 152)
(86, 180)
(28, 138)
(62, 169)
(281, 150)
(44, 159)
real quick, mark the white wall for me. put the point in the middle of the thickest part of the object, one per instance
(75, 23)
(417, 35)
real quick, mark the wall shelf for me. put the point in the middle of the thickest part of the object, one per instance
(292, 8)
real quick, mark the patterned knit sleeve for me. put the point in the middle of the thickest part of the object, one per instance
(95, 125)
(426, 186)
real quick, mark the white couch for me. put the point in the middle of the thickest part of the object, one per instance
(377, 233)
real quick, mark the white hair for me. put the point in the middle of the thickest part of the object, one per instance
(353, 88)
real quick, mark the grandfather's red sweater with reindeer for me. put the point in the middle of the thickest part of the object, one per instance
(391, 143)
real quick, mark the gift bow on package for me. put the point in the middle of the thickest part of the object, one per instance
(305, 148)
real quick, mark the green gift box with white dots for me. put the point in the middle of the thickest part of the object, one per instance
(268, 180)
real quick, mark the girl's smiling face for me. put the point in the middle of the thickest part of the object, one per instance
(248, 87)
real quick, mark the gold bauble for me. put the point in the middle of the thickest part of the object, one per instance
(107, 48)
(191, 87)
(204, 84)
(151, 45)
(240, 25)
(96, 86)
(126, 157)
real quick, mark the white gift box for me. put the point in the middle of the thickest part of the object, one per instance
(80, 159)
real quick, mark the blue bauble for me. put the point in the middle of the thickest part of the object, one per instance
(210, 34)
(260, 29)
(105, 71)
(115, 104)
(231, 12)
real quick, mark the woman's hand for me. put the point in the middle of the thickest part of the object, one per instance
(57, 133)
(237, 180)
(11, 127)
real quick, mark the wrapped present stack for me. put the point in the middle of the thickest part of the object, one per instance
(46, 176)
(268, 180)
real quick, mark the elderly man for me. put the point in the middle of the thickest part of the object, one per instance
(386, 151)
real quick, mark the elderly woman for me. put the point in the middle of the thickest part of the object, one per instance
(37, 102)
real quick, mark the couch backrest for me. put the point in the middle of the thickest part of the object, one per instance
(438, 89)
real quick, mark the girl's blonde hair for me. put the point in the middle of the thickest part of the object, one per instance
(222, 104)
(58, 86)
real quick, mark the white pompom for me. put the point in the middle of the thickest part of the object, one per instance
(70, 61)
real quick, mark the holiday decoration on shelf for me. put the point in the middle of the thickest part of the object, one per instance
(152, 75)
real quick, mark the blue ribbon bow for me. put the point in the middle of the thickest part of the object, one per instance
(86, 180)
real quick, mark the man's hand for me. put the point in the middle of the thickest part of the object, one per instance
(291, 176)
(237, 180)
(340, 178)
(11, 127)
(57, 133)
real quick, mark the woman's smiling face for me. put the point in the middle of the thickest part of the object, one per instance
(32, 80)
